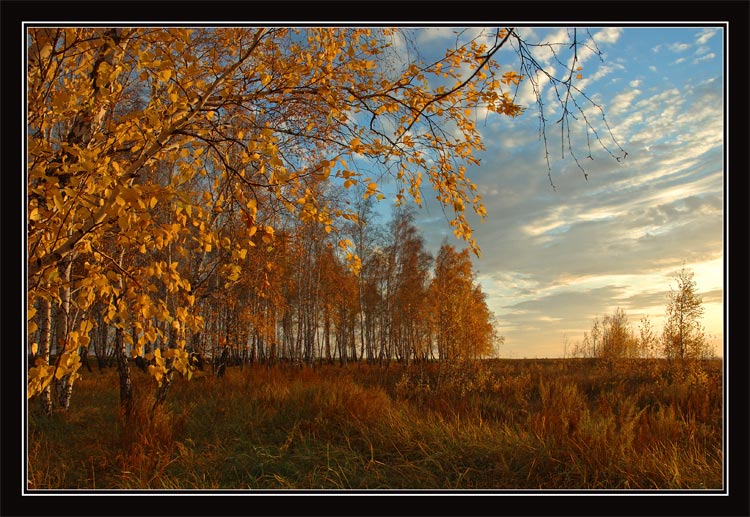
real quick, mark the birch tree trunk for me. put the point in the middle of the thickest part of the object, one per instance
(44, 352)
(123, 366)
(65, 386)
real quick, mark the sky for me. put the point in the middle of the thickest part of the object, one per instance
(553, 259)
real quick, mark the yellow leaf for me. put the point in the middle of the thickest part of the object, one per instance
(57, 199)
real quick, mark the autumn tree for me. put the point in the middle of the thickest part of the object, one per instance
(647, 339)
(463, 324)
(683, 337)
(617, 341)
(408, 269)
(589, 347)
(159, 159)
(366, 235)
(613, 341)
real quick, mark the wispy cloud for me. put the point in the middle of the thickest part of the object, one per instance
(705, 35)
(678, 47)
(705, 57)
(608, 35)
(623, 101)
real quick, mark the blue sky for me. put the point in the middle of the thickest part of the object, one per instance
(554, 259)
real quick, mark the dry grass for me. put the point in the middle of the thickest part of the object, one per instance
(499, 425)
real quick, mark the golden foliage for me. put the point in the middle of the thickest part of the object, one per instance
(151, 147)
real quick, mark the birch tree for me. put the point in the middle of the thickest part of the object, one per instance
(683, 337)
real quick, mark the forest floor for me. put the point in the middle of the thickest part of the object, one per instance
(499, 424)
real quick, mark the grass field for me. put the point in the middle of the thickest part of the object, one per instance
(502, 424)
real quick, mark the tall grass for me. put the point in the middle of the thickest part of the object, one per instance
(497, 425)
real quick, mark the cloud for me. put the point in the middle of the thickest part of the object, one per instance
(704, 58)
(705, 35)
(623, 101)
(600, 73)
(564, 304)
(713, 296)
(608, 35)
(588, 48)
(678, 47)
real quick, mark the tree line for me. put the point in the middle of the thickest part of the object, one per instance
(297, 301)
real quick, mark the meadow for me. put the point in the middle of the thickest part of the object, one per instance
(495, 424)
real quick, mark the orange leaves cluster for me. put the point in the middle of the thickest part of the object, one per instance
(157, 156)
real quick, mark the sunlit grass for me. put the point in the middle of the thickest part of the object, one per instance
(502, 425)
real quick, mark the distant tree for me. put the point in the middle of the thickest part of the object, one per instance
(409, 330)
(613, 340)
(683, 337)
(617, 341)
(464, 325)
(647, 339)
(588, 348)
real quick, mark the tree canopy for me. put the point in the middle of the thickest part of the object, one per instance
(163, 164)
